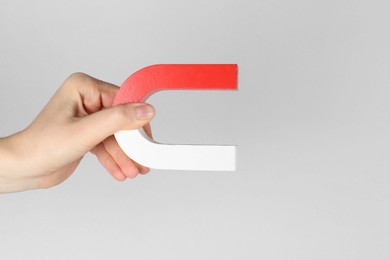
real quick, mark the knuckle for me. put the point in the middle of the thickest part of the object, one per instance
(77, 76)
(122, 115)
(77, 79)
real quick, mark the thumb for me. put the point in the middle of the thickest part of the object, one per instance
(96, 127)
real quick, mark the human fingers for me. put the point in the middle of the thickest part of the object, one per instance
(96, 127)
(108, 162)
(127, 166)
(148, 130)
(144, 169)
(90, 94)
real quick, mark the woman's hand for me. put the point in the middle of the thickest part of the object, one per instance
(78, 119)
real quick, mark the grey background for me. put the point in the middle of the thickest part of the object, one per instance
(311, 119)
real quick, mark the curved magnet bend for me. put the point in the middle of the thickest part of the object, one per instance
(143, 83)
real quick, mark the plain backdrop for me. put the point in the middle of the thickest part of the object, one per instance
(311, 121)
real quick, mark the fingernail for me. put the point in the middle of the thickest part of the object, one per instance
(144, 112)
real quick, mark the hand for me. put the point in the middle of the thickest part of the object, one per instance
(79, 118)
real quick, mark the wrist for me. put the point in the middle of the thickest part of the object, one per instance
(12, 166)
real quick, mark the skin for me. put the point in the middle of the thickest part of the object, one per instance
(78, 119)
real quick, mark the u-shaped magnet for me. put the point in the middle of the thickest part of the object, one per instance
(144, 150)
